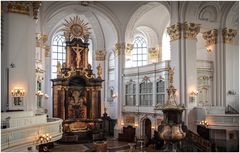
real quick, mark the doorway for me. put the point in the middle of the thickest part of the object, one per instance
(147, 129)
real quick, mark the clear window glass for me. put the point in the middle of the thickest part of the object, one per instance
(111, 67)
(139, 53)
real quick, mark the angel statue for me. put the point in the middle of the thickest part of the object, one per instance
(99, 72)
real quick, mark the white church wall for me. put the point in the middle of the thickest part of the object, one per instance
(21, 45)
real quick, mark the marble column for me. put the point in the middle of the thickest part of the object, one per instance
(21, 48)
(183, 58)
(231, 68)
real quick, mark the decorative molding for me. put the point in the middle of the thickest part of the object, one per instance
(153, 54)
(130, 119)
(128, 49)
(36, 7)
(118, 48)
(19, 7)
(100, 55)
(174, 31)
(190, 30)
(210, 37)
(76, 28)
(228, 35)
(41, 40)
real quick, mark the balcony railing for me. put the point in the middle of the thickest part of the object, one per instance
(222, 121)
(19, 139)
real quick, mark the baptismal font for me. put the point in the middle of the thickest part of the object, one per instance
(171, 128)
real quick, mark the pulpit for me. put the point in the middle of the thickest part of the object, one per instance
(76, 90)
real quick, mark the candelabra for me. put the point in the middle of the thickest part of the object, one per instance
(44, 138)
(18, 92)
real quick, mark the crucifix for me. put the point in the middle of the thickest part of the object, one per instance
(78, 50)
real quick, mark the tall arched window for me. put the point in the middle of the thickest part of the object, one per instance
(130, 96)
(160, 92)
(58, 53)
(139, 53)
(90, 52)
(166, 54)
(145, 93)
(111, 67)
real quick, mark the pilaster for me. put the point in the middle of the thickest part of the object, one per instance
(211, 39)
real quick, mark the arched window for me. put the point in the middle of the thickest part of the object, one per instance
(160, 92)
(130, 93)
(145, 93)
(111, 67)
(166, 54)
(139, 53)
(58, 53)
(90, 52)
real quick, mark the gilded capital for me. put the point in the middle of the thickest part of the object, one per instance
(191, 30)
(36, 7)
(19, 7)
(210, 37)
(128, 49)
(228, 35)
(174, 31)
(153, 53)
(100, 55)
(118, 48)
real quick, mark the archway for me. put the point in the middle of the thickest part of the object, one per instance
(147, 128)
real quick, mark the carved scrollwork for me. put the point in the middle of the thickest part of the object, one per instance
(153, 53)
(228, 35)
(118, 48)
(100, 55)
(210, 37)
(174, 31)
(128, 49)
(190, 30)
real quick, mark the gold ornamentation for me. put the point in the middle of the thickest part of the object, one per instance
(146, 78)
(19, 7)
(191, 30)
(153, 54)
(99, 71)
(36, 7)
(78, 51)
(118, 48)
(41, 40)
(128, 49)
(210, 37)
(174, 31)
(76, 28)
(130, 119)
(228, 35)
(100, 55)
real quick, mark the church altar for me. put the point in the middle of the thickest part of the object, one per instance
(76, 90)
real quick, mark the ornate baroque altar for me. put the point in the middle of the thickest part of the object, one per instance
(76, 90)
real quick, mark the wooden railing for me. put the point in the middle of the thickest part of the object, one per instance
(19, 139)
(194, 141)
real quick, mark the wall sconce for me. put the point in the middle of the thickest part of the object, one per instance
(231, 92)
(18, 92)
(39, 93)
(192, 96)
(136, 125)
(44, 138)
(122, 123)
(210, 48)
(204, 123)
(114, 95)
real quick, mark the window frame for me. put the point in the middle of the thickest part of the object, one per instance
(140, 51)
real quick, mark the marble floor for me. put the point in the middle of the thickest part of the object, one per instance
(112, 146)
